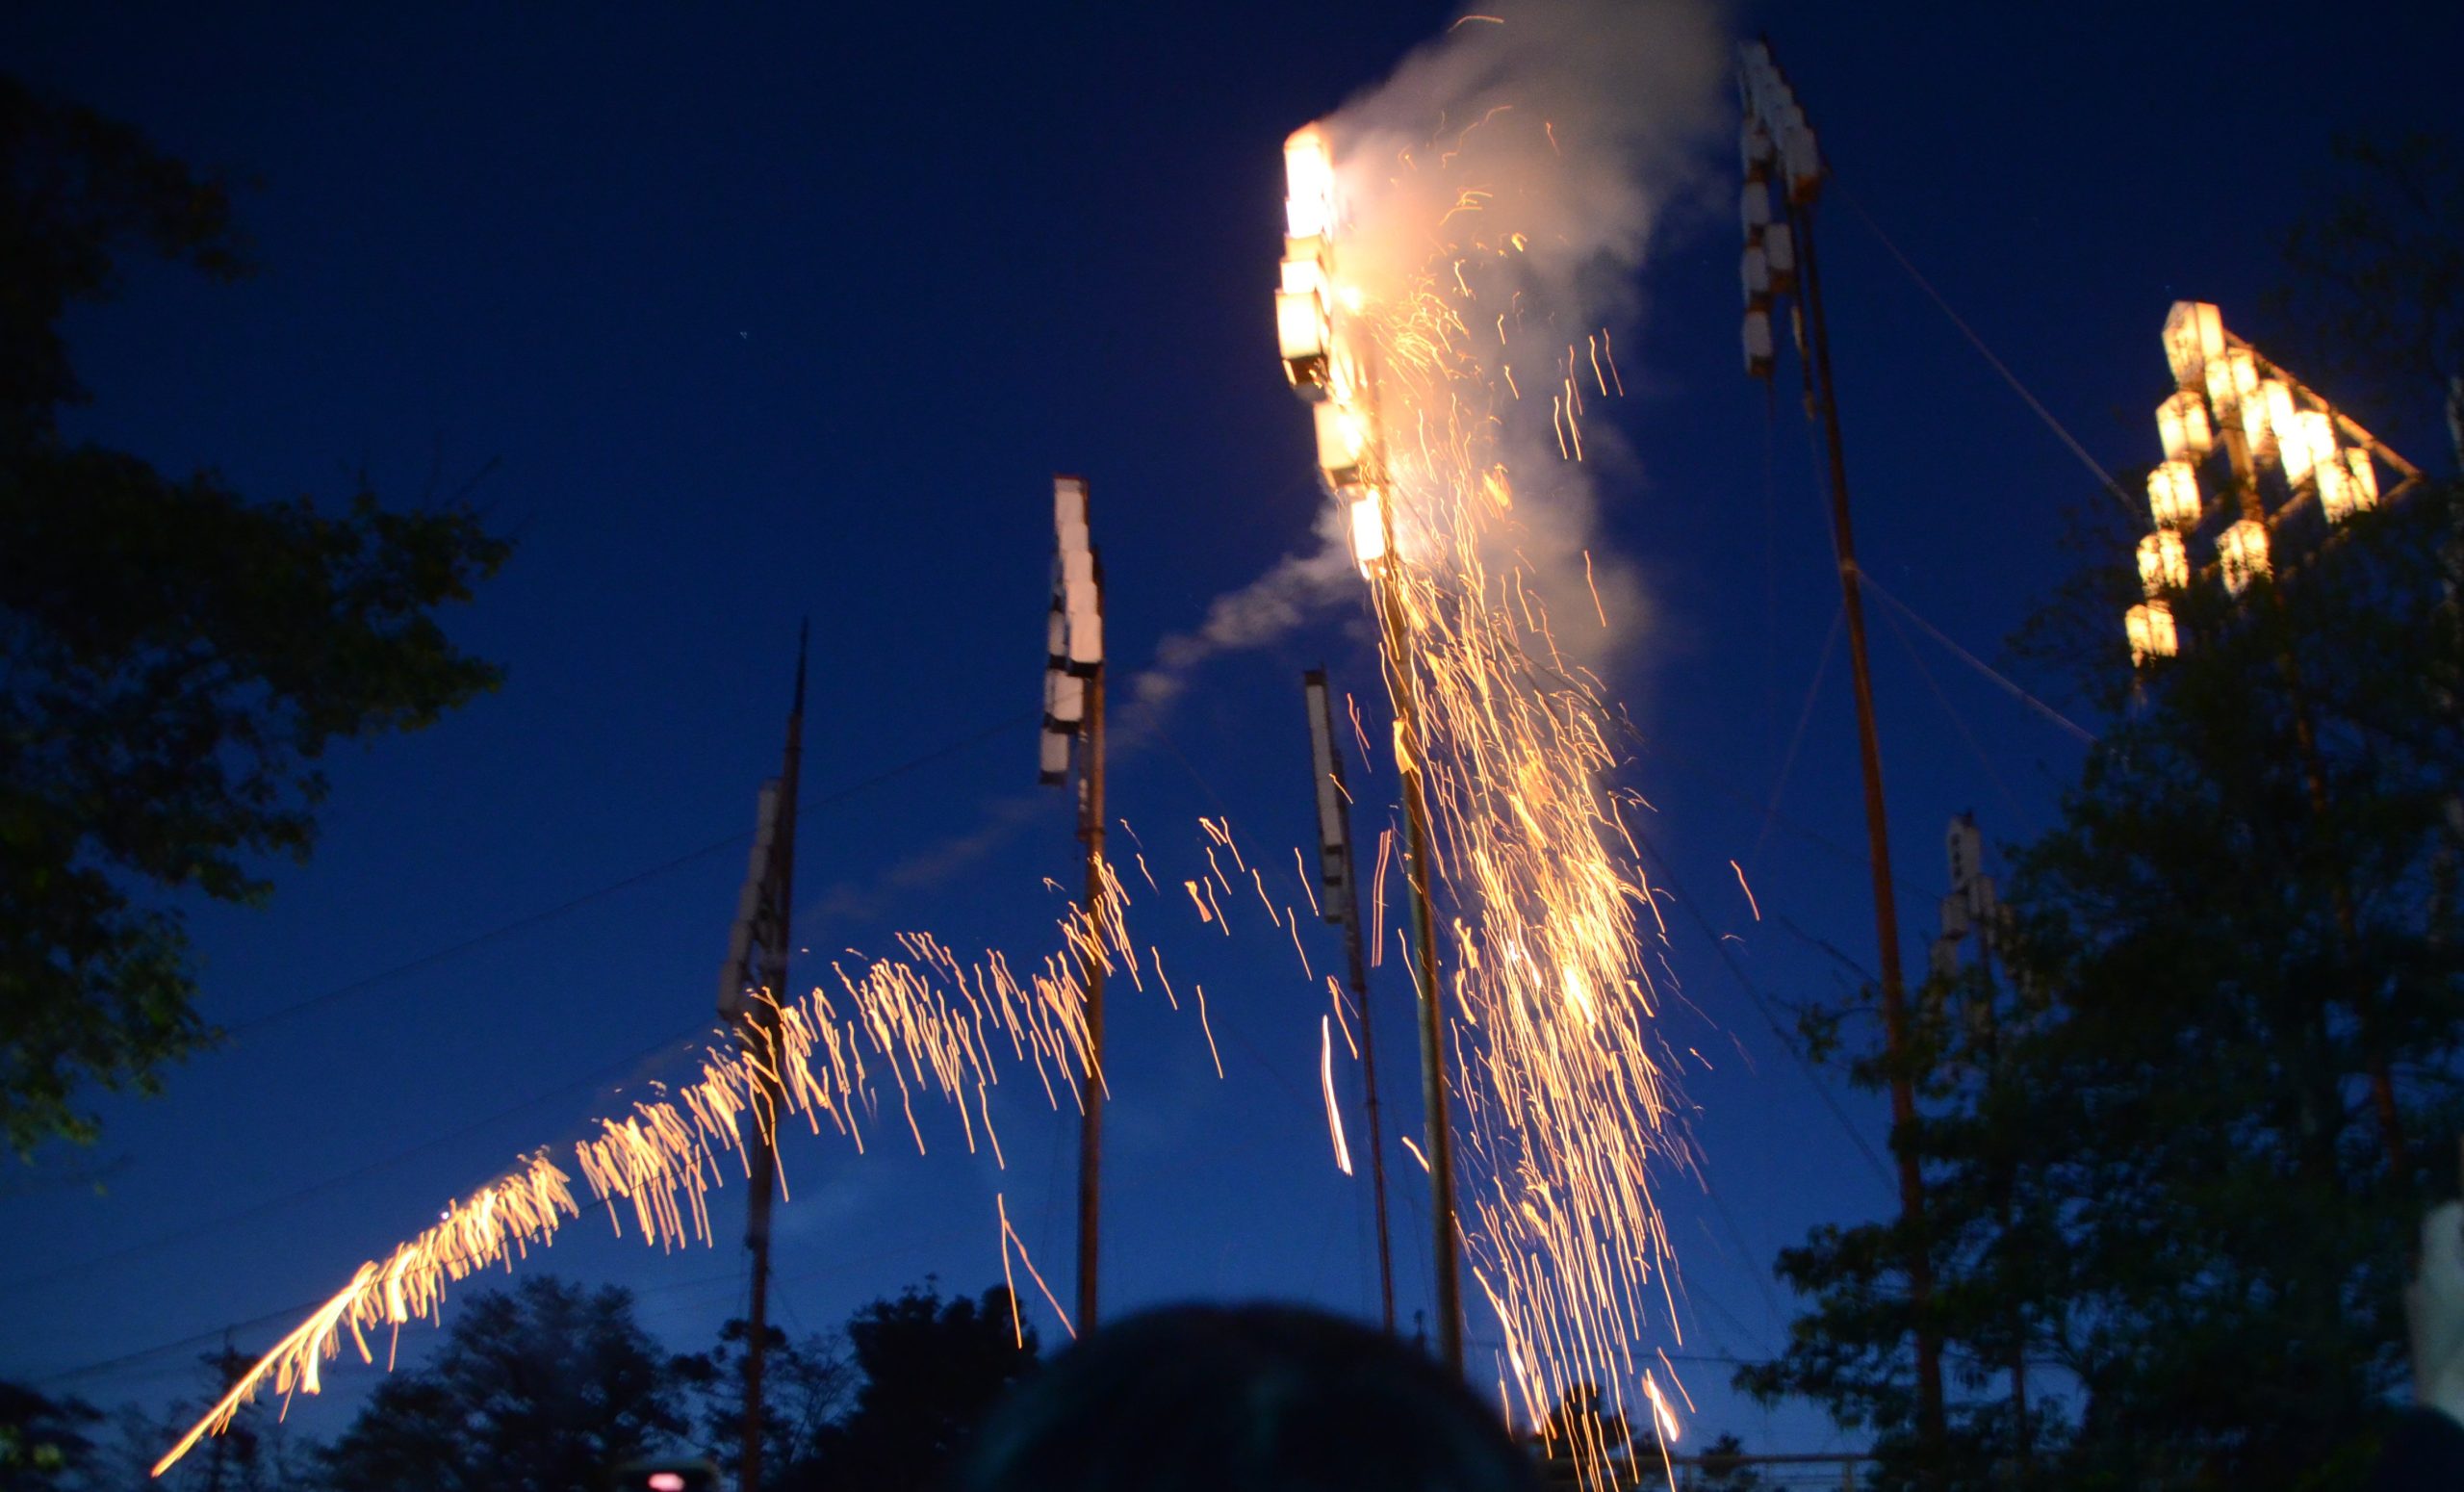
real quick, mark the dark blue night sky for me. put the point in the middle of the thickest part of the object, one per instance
(735, 317)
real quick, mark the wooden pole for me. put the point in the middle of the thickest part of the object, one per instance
(761, 1027)
(1344, 907)
(1090, 1119)
(1411, 746)
(1894, 998)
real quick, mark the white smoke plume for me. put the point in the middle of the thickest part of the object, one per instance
(1532, 150)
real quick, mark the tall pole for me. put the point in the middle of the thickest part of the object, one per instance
(1343, 905)
(760, 1031)
(1074, 718)
(1902, 1088)
(1411, 747)
(1090, 1119)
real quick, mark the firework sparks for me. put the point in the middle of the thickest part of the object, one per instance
(926, 1023)
(1565, 1101)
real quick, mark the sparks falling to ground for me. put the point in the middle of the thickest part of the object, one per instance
(1428, 311)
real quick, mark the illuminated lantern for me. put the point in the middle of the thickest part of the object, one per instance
(2242, 554)
(1309, 183)
(2182, 422)
(1758, 342)
(1053, 765)
(2365, 478)
(2306, 446)
(2164, 564)
(1064, 701)
(1755, 272)
(1369, 532)
(1300, 335)
(2194, 336)
(1342, 445)
(2150, 629)
(2266, 417)
(2172, 495)
(2232, 377)
(1057, 635)
(2335, 488)
(1085, 641)
(1754, 208)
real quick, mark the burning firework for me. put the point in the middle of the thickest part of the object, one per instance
(1429, 302)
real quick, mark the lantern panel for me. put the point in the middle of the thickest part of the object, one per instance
(2365, 478)
(2163, 563)
(1758, 342)
(2149, 626)
(1309, 183)
(2194, 335)
(1369, 532)
(2309, 445)
(2242, 554)
(2232, 380)
(2172, 495)
(2335, 490)
(1069, 502)
(1754, 269)
(1754, 207)
(2266, 417)
(2181, 423)
(1342, 444)
(1779, 250)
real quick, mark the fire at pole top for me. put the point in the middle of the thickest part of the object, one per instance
(1074, 629)
(2284, 448)
(1321, 358)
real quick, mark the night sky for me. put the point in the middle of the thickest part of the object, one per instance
(736, 319)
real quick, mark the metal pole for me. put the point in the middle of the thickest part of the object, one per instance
(1091, 1120)
(762, 1026)
(1894, 999)
(1347, 912)
(1411, 747)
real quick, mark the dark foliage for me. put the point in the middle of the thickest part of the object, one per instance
(174, 659)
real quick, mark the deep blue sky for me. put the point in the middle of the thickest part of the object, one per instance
(761, 317)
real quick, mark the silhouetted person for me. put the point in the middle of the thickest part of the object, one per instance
(1244, 1399)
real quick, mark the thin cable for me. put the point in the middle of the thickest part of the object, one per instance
(2104, 478)
(2085, 736)
(1797, 738)
(537, 918)
(1959, 722)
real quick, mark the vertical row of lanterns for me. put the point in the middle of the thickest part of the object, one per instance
(1778, 145)
(1318, 357)
(1074, 632)
(2229, 397)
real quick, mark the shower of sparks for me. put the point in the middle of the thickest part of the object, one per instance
(1562, 1103)
(924, 1024)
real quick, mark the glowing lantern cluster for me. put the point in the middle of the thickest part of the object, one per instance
(1074, 629)
(1777, 146)
(1318, 358)
(2225, 394)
